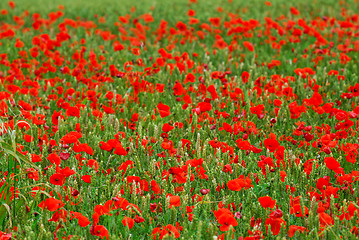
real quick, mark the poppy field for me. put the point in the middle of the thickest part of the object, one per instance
(179, 119)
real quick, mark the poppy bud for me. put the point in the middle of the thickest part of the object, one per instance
(308, 137)
(204, 191)
(197, 110)
(327, 178)
(245, 136)
(75, 193)
(139, 219)
(353, 115)
(238, 215)
(276, 214)
(337, 126)
(92, 230)
(327, 150)
(308, 128)
(300, 127)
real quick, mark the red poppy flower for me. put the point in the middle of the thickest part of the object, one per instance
(32, 174)
(57, 179)
(294, 11)
(51, 204)
(28, 138)
(227, 127)
(86, 178)
(248, 45)
(293, 229)
(164, 110)
(239, 183)
(216, 21)
(160, 87)
(178, 89)
(164, 231)
(73, 112)
(155, 187)
(271, 144)
(333, 164)
(83, 147)
(204, 106)
(67, 172)
(3, 235)
(226, 218)
(243, 145)
(120, 151)
(212, 90)
(181, 26)
(325, 219)
(267, 202)
(54, 158)
(277, 102)
(99, 231)
(297, 210)
(189, 78)
(283, 174)
(227, 168)
(82, 220)
(167, 128)
(11, 4)
(127, 221)
(59, 214)
(226, 221)
(71, 137)
(105, 146)
(175, 201)
(275, 224)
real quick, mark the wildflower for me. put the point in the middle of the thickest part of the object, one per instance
(99, 231)
(51, 204)
(267, 202)
(225, 218)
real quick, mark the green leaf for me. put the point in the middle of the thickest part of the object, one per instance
(5, 202)
(20, 158)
